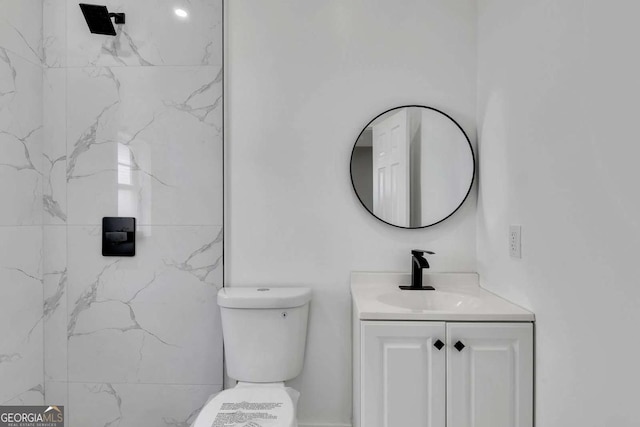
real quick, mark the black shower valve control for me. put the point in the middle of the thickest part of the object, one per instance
(118, 236)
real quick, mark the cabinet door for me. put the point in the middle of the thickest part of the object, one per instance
(490, 379)
(403, 374)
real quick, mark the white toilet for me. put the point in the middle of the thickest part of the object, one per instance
(265, 331)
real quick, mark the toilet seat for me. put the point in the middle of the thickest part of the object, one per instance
(250, 404)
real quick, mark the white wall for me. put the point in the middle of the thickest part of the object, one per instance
(303, 78)
(557, 109)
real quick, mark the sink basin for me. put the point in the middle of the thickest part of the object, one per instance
(458, 297)
(430, 300)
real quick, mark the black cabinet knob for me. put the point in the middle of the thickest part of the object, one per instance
(438, 344)
(459, 346)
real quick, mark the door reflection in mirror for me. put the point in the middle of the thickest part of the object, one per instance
(412, 166)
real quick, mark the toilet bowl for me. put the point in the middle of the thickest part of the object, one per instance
(264, 331)
(251, 404)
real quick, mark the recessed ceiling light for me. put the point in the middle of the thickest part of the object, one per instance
(181, 13)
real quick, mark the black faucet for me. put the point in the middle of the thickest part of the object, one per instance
(418, 262)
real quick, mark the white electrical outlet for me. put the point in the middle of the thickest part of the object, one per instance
(515, 244)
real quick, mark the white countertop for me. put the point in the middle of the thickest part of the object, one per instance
(458, 297)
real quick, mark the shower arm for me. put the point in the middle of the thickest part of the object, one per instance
(118, 17)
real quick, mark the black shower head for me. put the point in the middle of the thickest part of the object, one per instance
(99, 19)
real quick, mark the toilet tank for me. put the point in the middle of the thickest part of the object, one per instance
(265, 331)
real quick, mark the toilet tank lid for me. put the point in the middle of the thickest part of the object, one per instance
(263, 297)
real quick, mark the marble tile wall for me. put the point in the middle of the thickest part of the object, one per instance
(21, 172)
(127, 126)
(21, 346)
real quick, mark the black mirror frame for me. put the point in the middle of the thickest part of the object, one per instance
(473, 157)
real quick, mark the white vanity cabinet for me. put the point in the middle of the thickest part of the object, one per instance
(490, 380)
(403, 374)
(443, 374)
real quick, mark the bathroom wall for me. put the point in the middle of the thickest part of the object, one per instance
(134, 128)
(557, 110)
(21, 167)
(303, 79)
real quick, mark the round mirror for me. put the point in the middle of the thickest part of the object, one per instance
(412, 166)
